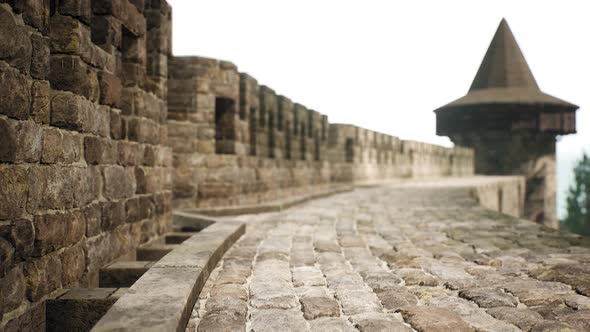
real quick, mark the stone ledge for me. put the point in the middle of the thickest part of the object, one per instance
(162, 299)
(505, 194)
(273, 206)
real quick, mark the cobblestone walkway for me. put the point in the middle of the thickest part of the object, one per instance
(398, 259)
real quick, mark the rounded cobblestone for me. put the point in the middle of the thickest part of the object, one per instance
(387, 258)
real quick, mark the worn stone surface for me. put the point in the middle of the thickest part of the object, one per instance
(449, 281)
(525, 319)
(489, 297)
(67, 167)
(314, 307)
(434, 319)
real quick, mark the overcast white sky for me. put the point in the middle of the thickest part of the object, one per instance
(386, 65)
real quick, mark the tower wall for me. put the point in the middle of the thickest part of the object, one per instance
(529, 154)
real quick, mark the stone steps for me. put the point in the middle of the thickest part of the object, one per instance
(166, 280)
(80, 308)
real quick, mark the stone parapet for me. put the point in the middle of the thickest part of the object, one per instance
(236, 142)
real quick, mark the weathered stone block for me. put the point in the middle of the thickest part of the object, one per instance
(68, 35)
(52, 187)
(40, 56)
(116, 8)
(110, 89)
(158, 38)
(13, 288)
(13, 191)
(80, 9)
(106, 30)
(146, 207)
(21, 235)
(116, 124)
(434, 319)
(70, 73)
(131, 100)
(8, 139)
(60, 146)
(152, 107)
(68, 111)
(15, 93)
(113, 215)
(28, 142)
(15, 45)
(134, 49)
(135, 21)
(143, 131)
(99, 151)
(93, 217)
(93, 84)
(6, 256)
(43, 276)
(88, 184)
(314, 307)
(130, 153)
(98, 121)
(157, 64)
(55, 231)
(40, 101)
(148, 180)
(132, 210)
(35, 13)
(119, 182)
(32, 320)
(163, 202)
(73, 263)
(149, 155)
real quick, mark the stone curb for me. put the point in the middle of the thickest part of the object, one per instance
(163, 298)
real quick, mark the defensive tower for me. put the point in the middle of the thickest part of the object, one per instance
(511, 124)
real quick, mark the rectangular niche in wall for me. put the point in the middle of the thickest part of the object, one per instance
(225, 131)
(253, 131)
(349, 150)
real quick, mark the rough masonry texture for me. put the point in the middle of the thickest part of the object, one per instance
(511, 124)
(411, 256)
(103, 132)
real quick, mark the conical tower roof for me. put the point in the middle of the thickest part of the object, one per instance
(504, 77)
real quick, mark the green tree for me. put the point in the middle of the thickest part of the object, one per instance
(578, 200)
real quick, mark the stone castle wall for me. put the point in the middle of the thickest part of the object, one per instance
(103, 131)
(85, 172)
(237, 142)
(531, 155)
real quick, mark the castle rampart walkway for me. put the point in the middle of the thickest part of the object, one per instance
(421, 256)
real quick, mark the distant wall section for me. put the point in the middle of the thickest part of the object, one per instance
(236, 142)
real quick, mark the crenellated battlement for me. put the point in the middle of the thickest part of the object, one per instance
(268, 146)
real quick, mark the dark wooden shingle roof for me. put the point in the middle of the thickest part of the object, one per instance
(504, 77)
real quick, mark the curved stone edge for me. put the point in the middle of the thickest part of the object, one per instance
(274, 206)
(163, 298)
